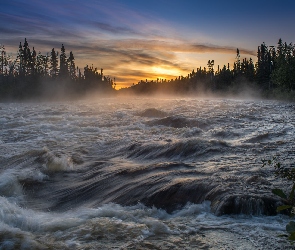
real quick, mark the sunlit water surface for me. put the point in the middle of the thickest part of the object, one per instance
(143, 174)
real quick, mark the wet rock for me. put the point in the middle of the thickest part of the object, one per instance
(257, 179)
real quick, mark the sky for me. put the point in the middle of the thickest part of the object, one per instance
(134, 40)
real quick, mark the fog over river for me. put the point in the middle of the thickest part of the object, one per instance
(143, 173)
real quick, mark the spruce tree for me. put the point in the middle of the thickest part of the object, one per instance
(4, 60)
(263, 66)
(63, 68)
(20, 59)
(283, 74)
(72, 67)
(53, 64)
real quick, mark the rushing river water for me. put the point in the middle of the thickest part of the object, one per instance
(143, 174)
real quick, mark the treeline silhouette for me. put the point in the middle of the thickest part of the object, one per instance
(55, 76)
(273, 75)
(51, 76)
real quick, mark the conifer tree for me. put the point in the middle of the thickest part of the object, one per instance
(210, 65)
(4, 59)
(263, 67)
(41, 64)
(72, 67)
(32, 62)
(63, 68)
(53, 64)
(26, 58)
(238, 63)
(20, 59)
(250, 70)
(284, 66)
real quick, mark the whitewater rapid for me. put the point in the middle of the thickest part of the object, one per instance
(143, 173)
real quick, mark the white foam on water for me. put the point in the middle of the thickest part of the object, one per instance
(10, 182)
(57, 164)
(109, 128)
(193, 209)
(113, 224)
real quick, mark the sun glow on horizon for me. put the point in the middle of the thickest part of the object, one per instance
(165, 72)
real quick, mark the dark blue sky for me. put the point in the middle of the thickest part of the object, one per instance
(137, 39)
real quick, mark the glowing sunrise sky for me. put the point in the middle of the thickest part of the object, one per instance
(134, 39)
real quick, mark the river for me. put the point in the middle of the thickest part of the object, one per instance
(143, 173)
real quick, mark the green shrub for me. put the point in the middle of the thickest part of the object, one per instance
(288, 200)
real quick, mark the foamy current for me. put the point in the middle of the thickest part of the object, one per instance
(143, 173)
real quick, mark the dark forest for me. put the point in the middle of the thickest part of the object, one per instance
(55, 76)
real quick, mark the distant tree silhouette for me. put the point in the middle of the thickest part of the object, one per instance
(26, 75)
(42, 64)
(63, 63)
(210, 65)
(53, 64)
(72, 67)
(223, 78)
(248, 69)
(237, 64)
(20, 59)
(283, 74)
(263, 66)
(4, 59)
(32, 62)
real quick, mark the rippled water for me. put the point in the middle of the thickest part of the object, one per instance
(143, 174)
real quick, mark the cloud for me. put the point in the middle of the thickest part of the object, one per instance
(6, 31)
(115, 29)
(178, 46)
(203, 48)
